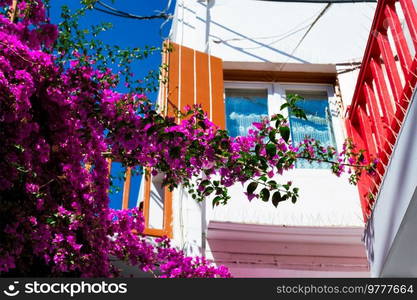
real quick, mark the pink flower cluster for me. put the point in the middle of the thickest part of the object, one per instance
(159, 257)
(54, 216)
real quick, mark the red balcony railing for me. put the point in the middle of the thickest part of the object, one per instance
(384, 88)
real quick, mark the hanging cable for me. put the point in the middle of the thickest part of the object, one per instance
(105, 8)
(311, 27)
(348, 70)
(278, 37)
(275, 41)
(307, 32)
(166, 8)
(162, 27)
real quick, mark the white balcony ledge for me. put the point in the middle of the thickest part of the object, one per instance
(390, 234)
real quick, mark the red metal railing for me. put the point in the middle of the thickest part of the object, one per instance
(384, 88)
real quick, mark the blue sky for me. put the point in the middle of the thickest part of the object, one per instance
(127, 32)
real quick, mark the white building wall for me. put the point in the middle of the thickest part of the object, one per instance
(266, 31)
(249, 30)
(263, 31)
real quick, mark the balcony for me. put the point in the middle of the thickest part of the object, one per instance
(381, 119)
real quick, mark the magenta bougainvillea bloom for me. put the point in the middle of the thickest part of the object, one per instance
(58, 127)
(54, 212)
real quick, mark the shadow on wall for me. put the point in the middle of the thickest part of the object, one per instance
(210, 21)
(368, 239)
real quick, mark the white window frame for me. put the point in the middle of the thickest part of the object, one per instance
(277, 97)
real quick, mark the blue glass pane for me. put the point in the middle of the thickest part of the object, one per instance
(317, 126)
(244, 107)
(135, 180)
(116, 185)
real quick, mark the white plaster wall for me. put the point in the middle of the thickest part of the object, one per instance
(286, 251)
(187, 226)
(325, 200)
(248, 30)
(244, 30)
(347, 84)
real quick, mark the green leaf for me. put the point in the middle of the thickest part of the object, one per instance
(174, 152)
(284, 106)
(264, 194)
(272, 137)
(50, 221)
(285, 133)
(280, 162)
(216, 200)
(202, 124)
(264, 162)
(219, 191)
(276, 198)
(301, 114)
(208, 191)
(277, 124)
(271, 150)
(263, 178)
(151, 130)
(277, 117)
(252, 187)
(205, 182)
(273, 184)
(294, 198)
(257, 149)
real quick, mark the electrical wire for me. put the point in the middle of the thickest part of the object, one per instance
(162, 27)
(275, 41)
(308, 31)
(161, 14)
(353, 63)
(166, 21)
(311, 27)
(280, 37)
(105, 8)
(348, 70)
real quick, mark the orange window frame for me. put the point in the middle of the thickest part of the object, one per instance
(168, 215)
(193, 77)
(126, 184)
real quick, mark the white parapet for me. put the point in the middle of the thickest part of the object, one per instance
(391, 235)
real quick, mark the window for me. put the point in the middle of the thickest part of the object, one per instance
(157, 207)
(128, 191)
(124, 187)
(250, 102)
(244, 107)
(317, 126)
